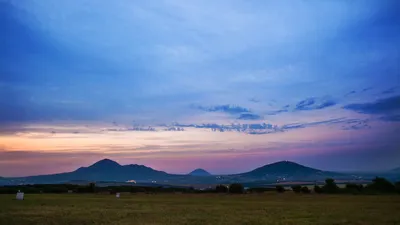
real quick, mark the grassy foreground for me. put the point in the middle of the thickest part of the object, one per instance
(201, 209)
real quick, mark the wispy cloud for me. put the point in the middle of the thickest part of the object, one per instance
(393, 118)
(276, 112)
(256, 128)
(255, 100)
(231, 109)
(249, 116)
(366, 89)
(382, 106)
(346, 124)
(390, 90)
(315, 103)
(350, 93)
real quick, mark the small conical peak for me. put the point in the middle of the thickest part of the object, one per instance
(285, 163)
(199, 172)
(105, 162)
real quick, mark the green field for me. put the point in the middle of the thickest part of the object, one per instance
(201, 209)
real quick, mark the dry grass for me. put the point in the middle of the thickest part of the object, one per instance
(200, 209)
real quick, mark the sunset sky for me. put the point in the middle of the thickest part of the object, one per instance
(223, 85)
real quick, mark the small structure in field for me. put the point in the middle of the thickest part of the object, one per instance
(20, 195)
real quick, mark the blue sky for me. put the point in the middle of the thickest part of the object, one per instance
(199, 83)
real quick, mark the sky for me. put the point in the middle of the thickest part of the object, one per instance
(223, 85)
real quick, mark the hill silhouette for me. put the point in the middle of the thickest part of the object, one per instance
(286, 169)
(199, 172)
(103, 170)
(109, 170)
(396, 170)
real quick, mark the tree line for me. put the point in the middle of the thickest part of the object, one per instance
(378, 186)
(90, 188)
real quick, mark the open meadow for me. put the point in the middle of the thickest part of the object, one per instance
(201, 209)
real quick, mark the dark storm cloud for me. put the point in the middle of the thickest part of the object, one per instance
(382, 106)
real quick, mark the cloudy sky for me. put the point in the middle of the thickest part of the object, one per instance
(225, 85)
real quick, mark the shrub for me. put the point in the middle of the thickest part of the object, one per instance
(92, 187)
(330, 186)
(305, 190)
(318, 189)
(381, 185)
(137, 190)
(260, 189)
(56, 190)
(280, 189)
(397, 186)
(296, 188)
(236, 188)
(221, 189)
(354, 188)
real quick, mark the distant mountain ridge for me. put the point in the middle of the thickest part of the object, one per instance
(395, 170)
(109, 170)
(282, 167)
(103, 170)
(199, 172)
(287, 169)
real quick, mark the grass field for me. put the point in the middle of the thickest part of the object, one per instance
(201, 209)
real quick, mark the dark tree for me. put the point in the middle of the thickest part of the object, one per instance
(221, 188)
(296, 188)
(305, 190)
(330, 186)
(280, 189)
(397, 185)
(380, 184)
(260, 189)
(236, 188)
(92, 187)
(354, 188)
(318, 189)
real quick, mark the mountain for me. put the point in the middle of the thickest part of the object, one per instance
(287, 170)
(103, 170)
(105, 163)
(199, 173)
(396, 170)
(109, 170)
